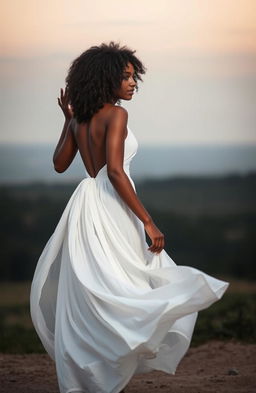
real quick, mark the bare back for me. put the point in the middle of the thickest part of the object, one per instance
(90, 138)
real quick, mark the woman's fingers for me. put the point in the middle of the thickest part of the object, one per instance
(60, 103)
(63, 102)
(60, 99)
(157, 245)
(152, 247)
(63, 99)
(63, 94)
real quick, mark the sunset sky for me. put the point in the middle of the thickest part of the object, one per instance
(200, 85)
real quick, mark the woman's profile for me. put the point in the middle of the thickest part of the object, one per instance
(105, 304)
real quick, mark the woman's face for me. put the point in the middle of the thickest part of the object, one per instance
(125, 91)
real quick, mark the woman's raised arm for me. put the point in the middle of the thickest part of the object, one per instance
(66, 148)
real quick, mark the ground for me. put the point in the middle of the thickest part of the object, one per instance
(214, 367)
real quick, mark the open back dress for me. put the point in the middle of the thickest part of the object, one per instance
(104, 306)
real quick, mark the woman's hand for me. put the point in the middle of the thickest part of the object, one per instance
(63, 102)
(157, 238)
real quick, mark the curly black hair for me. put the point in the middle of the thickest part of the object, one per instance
(95, 75)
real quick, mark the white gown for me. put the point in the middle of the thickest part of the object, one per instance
(105, 307)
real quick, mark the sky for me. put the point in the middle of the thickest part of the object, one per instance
(200, 55)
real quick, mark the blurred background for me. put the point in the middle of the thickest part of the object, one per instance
(194, 117)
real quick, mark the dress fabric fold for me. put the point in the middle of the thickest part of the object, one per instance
(104, 307)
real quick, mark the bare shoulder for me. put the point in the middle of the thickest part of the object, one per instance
(117, 123)
(118, 115)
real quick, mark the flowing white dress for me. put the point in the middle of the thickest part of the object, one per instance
(105, 307)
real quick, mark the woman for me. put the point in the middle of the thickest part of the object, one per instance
(105, 304)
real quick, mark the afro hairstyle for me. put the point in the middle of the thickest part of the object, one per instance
(95, 75)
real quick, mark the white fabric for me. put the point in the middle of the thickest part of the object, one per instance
(104, 307)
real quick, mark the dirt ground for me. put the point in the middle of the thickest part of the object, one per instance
(221, 367)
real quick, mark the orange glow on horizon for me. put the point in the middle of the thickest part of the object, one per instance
(33, 27)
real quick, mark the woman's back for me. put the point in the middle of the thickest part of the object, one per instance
(90, 138)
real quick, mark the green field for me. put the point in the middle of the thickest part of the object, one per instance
(233, 317)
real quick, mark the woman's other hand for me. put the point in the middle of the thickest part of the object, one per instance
(156, 236)
(64, 104)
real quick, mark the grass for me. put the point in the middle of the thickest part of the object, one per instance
(233, 317)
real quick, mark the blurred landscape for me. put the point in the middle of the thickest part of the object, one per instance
(209, 223)
(32, 163)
